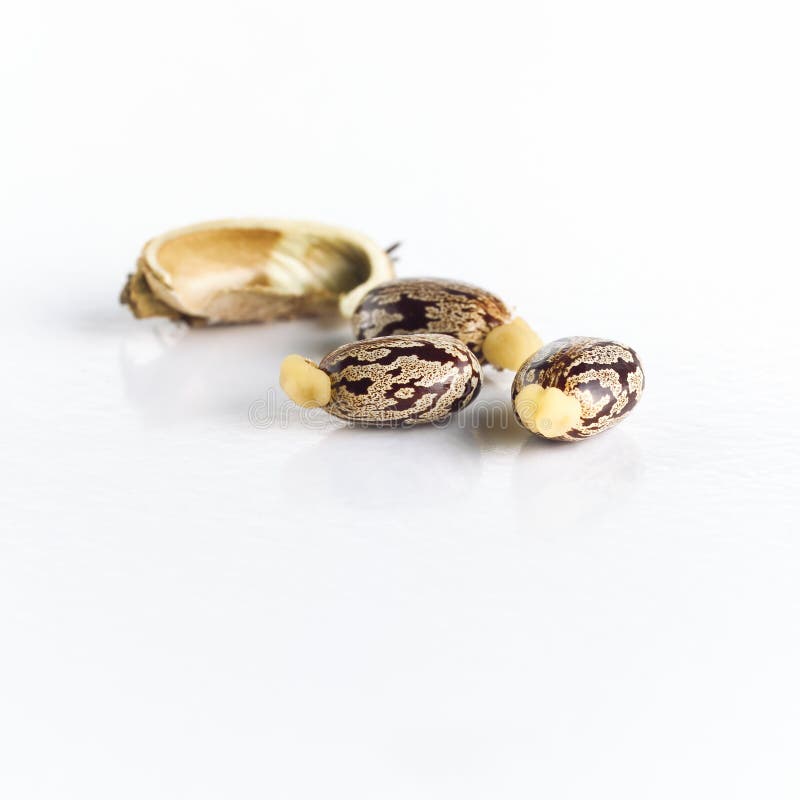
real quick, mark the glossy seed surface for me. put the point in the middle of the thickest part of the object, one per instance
(430, 305)
(401, 380)
(604, 376)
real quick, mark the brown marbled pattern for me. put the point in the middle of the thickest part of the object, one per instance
(430, 305)
(605, 376)
(401, 380)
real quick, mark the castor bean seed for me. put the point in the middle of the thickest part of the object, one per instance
(430, 305)
(389, 380)
(576, 387)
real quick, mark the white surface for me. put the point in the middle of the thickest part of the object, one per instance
(195, 606)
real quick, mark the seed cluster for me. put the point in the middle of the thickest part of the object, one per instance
(420, 341)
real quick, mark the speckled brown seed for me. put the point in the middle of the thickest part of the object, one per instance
(401, 380)
(605, 377)
(430, 305)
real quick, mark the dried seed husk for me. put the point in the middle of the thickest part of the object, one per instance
(254, 270)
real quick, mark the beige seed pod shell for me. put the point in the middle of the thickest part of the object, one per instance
(254, 270)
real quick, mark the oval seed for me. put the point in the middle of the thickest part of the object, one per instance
(577, 387)
(389, 380)
(431, 305)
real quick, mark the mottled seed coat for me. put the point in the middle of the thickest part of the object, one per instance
(401, 380)
(428, 305)
(606, 377)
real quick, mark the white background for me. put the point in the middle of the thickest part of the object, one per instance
(194, 606)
